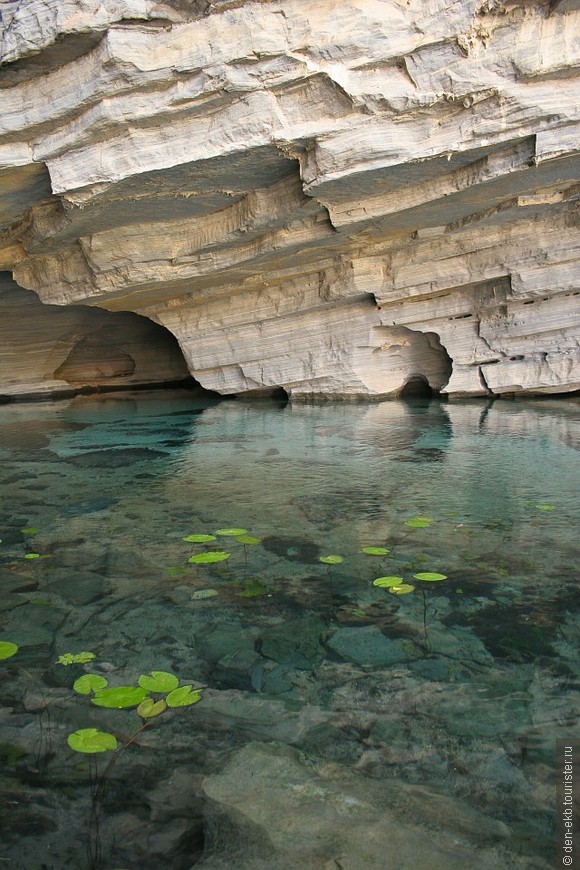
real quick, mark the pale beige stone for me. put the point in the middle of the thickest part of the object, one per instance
(334, 198)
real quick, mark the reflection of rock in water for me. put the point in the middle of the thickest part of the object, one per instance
(293, 549)
(424, 454)
(115, 458)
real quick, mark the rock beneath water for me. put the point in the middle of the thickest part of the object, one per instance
(368, 646)
(320, 818)
(295, 644)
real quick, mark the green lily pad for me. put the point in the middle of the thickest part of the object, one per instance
(332, 559)
(120, 696)
(545, 507)
(89, 683)
(149, 708)
(198, 539)
(75, 658)
(183, 697)
(419, 522)
(208, 558)
(176, 570)
(231, 533)
(29, 530)
(248, 539)
(376, 551)
(91, 740)
(386, 582)
(8, 649)
(252, 589)
(403, 589)
(158, 681)
(32, 556)
(430, 576)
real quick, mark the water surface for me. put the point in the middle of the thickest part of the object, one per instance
(341, 724)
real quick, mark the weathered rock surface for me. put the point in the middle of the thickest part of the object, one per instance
(339, 199)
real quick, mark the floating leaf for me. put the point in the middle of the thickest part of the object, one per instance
(8, 649)
(252, 589)
(75, 658)
(376, 551)
(32, 556)
(331, 560)
(403, 589)
(200, 594)
(89, 683)
(120, 696)
(158, 681)
(231, 533)
(29, 530)
(149, 708)
(358, 611)
(208, 558)
(388, 581)
(248, 539)
(176, 570)
(430, 576)
(419, 522)
(91, 740)
(198, 539)
(183, 697)
(545, 507)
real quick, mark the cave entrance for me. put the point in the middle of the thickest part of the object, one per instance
(416, 387)
(52, 350)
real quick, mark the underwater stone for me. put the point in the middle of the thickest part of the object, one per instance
(367, 646)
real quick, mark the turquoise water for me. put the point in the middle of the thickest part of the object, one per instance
(341, 724)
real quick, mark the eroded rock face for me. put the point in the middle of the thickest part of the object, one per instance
(340, 199)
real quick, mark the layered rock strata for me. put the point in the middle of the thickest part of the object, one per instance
(341, 199)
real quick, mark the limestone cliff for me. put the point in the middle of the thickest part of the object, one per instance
(335, 197)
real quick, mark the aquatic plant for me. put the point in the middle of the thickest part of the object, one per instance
(198, 539)
(419, 522)
(93, 741)
(429, 576)
(387, 582)
(231, 532)
(209, 557)
(75, 658)
(8, 649)
(332, 559)
(375, 551)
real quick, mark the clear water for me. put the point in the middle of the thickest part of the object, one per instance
(341, 725)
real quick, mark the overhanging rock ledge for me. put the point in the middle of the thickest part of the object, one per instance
(340, 199)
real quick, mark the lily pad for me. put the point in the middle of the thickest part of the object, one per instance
(545, 507)
(387, 582)
(120, 696)
(252, 589)
(332, 559)
(8, 649)
(376, 551)
(248, 539)
(89, 683)
(32, 556)
(158, 681)
(149, 708)
(75, 658)
(231, 533)
(403, 589)
(29, 530)
(91, 740)
(208, 558)
(419, 522)
(198, 539)
(183, 697)
(430, 576)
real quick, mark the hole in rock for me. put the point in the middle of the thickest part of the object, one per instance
(416, 387)
(53, 350)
